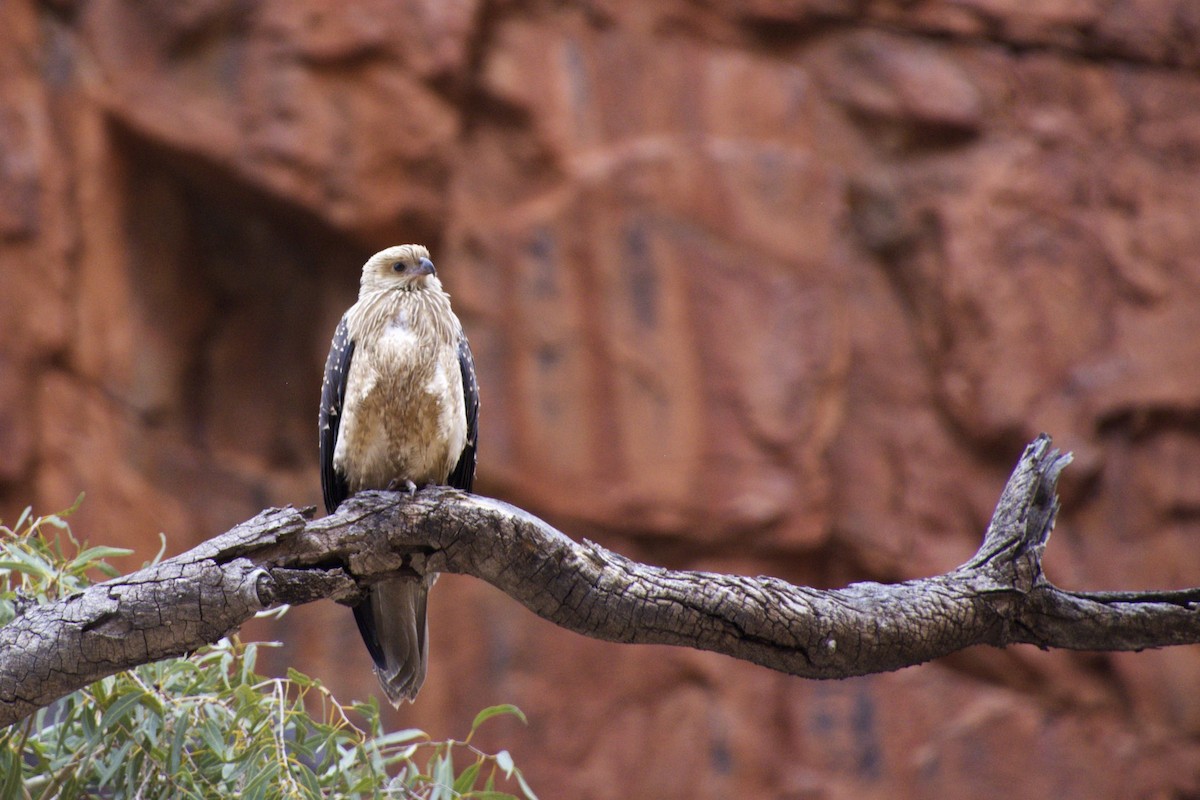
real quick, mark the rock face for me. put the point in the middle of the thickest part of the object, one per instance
(780, 288)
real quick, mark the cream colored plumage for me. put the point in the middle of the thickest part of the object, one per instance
(398, 409)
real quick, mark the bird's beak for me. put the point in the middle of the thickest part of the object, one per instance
(425, 267)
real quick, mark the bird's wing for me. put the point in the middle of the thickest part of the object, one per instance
(333, 394)
(463, 475)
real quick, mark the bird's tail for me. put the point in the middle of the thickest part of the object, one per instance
(392, 622)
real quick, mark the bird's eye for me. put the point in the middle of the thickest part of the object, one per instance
(397, 266)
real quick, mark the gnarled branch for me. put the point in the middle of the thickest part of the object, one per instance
(282, 556)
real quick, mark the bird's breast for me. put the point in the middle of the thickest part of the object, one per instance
(404, 417)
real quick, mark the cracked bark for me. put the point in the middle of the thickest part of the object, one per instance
(998, 597)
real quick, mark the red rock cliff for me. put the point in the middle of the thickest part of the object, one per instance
(767, 287)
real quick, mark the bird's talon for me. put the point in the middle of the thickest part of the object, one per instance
(406, 486)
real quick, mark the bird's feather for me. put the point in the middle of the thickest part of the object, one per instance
(463, 475)
(333, 395)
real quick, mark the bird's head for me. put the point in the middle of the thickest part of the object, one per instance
(404, 267)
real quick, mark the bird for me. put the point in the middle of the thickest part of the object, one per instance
(399, 410)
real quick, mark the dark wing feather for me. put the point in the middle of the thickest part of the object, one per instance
(333, 394)
(463, 475)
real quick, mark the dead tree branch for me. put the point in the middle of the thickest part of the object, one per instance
(999, 597)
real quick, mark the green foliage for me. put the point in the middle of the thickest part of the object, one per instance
(210, 726)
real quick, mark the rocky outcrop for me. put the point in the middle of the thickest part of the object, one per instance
(774, 289)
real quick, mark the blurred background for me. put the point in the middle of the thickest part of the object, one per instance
(773, 287)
